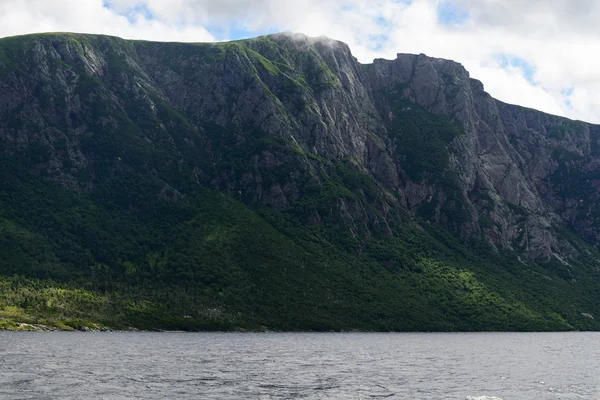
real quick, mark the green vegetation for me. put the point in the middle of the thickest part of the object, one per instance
(558, 132)
(151, 219)
(421, 139)
(422, 142)
(123, 257)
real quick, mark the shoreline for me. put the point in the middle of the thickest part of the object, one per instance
(25, 327)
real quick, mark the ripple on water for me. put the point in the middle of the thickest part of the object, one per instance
(299, 366)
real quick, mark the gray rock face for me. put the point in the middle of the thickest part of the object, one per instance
(516, 175)
(511, 160)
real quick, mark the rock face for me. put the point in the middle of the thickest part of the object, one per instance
(512, 163)
(509, 174)
(278, 182)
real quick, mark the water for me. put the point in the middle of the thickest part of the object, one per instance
(299, 366)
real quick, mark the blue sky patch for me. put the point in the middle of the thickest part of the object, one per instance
(450, 14)
(133, 13)
(509, 60)
(139, 10)
(567, 93)
(235, 31)
(377, 42)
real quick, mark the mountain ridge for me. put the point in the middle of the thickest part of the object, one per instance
(464, 212)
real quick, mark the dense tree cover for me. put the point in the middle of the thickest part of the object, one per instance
(122, 256)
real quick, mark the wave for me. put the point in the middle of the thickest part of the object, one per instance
(482, 398)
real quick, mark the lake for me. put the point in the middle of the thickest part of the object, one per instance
(109, 365)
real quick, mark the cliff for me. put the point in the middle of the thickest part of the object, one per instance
(278, 182)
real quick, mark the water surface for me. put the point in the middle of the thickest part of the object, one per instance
(52, 365)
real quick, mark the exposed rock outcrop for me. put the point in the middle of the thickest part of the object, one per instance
(509, 174)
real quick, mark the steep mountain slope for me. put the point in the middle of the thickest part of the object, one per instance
(276, 182)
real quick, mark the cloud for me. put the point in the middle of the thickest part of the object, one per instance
(91, 16)
(540, 54)
(538, 17)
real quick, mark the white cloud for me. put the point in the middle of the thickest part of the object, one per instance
(558, 38)
(90, 16)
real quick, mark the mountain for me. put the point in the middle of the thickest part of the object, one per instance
(277, 183)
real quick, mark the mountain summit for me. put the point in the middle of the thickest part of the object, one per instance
(276, 182)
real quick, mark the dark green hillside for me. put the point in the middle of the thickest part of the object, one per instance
(70, 258)
(203, 187)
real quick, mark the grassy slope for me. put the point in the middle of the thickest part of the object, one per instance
(121, 255)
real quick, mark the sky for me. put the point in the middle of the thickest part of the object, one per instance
(543, 54)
